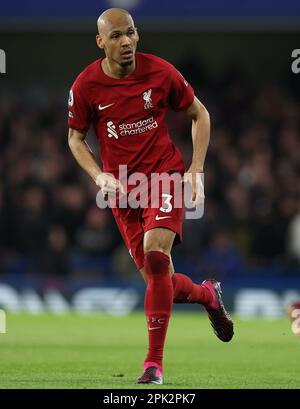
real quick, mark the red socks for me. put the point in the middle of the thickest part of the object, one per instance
(161, 292)
(185, 291)
(158, 303)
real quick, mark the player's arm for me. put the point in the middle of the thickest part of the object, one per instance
(200, 136)
(86, 159)
(200, 133)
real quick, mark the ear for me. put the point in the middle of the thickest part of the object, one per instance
(99, 41)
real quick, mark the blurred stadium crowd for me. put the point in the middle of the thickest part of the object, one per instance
(49, 222)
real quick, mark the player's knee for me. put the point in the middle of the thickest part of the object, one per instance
(156, 262)
(157, 246)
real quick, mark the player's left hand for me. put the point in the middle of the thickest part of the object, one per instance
(196, 180)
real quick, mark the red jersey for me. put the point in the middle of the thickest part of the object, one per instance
(129, 114)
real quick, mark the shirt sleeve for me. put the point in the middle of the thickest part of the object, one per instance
(181, 92)
(79, 117)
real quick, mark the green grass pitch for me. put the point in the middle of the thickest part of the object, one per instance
(100, 351)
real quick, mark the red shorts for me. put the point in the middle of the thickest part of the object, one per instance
(133, 223)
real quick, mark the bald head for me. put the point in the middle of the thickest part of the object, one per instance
(118, 37)
(112, 18)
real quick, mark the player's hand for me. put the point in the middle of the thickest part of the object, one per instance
(109, 185)
(196, 181)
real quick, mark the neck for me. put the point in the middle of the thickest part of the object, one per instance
(115, 70)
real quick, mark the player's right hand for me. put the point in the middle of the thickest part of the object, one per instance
(197, 187)
(109, 185)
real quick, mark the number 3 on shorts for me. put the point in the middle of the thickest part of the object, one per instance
(166, 202)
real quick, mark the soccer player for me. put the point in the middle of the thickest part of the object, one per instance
(125, 96)
(292, 311)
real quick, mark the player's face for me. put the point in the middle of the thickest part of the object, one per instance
(119, 43)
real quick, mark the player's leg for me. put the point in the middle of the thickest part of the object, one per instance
(185, 290)
(208, 294)
(144, 275)
(158, 299)
(188, 292)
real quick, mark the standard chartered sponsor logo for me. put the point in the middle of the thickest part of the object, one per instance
(131, 128)
(111, 130)
(135, 128)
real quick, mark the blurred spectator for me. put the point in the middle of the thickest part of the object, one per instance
(3, 231)
(70, 207)
(97, 236)
(54, 260)
(294, 238)
(221, 257)
(30, 220)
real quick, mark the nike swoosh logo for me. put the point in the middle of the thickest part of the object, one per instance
(162, 217)
(150, 328)
(105, 106)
